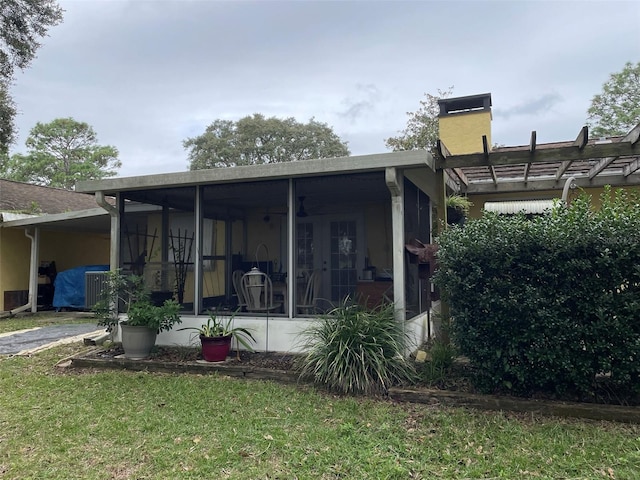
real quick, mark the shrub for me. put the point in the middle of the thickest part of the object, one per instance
(548, 304)
(354, 350)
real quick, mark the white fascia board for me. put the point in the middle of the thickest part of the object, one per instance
(303, 168)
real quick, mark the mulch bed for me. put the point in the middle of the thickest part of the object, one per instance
(271, 360)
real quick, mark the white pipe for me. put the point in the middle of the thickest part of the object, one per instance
(29, 303)
(567, 186)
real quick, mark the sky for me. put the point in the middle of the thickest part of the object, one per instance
(148, 74)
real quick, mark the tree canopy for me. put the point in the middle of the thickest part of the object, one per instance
(616, 110)
(60, 153)
(254, 140)
(22, 24)
(421, 131)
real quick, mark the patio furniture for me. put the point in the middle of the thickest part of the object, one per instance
(258, 292)
(307, 303)
(236, 279)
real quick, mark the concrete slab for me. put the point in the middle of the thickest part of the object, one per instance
(28, 341)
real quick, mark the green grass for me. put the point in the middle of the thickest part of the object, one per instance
(23, 321)
(118, 425)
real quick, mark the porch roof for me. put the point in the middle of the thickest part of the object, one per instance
(96, 220)
(534, 167)
(306, 168)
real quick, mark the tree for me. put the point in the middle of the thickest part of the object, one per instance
(616, 110)
(60, 153)
(421, 131)
(254, 140)
(22, 24)
(7, 114)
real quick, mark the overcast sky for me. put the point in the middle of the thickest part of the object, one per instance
(149, 74)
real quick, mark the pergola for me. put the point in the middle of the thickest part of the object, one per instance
(535, 167)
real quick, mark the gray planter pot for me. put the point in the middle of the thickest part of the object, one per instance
(137, 342)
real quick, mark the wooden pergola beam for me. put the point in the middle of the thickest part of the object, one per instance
(535, 185)
(582, 138)
(631, 137)
(546, 155)
(580, 142)
(532, 149)
(461, 176)
(532, 142)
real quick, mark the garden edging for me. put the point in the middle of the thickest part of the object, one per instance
(615, 413)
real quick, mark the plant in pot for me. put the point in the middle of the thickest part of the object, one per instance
(217, 334)
(457, 209)
(128, 294)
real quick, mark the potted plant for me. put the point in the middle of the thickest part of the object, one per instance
(127, 293)
(457, 209)
(216, 336)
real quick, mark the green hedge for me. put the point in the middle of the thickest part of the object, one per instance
(549, 304)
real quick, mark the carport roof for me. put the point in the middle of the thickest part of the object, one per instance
(95, 220)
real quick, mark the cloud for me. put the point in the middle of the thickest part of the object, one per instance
(530, 107)
(363, 101)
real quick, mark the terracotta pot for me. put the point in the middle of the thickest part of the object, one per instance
(215, 349)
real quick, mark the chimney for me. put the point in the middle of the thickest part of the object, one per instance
(463, 121)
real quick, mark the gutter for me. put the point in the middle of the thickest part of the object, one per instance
(29, 304)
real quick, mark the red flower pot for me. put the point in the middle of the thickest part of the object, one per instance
(215, 349)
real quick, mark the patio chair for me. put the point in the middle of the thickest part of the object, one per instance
(236, 278)
(258, 292)
(307, 303)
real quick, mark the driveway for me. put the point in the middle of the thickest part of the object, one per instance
(29, 340)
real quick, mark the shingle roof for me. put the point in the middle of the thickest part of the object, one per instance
(25, 197)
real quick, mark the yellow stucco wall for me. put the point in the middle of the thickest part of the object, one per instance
(378, 236)
(68, 250)
(462, 132)
(479, 200)
(15, 251)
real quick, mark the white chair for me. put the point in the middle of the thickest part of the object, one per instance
(307, 303)
(236, 278)
(258, 292)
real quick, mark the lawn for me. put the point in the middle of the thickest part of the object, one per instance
(70, 424)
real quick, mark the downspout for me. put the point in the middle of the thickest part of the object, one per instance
(567, 185)
(33, 285)
(394, 181)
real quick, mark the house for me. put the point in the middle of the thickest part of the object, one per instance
(44, 231)
(346, 219)
(345, 222)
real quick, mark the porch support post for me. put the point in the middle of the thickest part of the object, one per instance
(441, 205)
(33, 269)
(114, 243)
(394, 180)
(197, 270)
(291, 275)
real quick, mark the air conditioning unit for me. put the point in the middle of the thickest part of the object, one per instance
(94, 284)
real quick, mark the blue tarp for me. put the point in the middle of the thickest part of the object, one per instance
(69, 286)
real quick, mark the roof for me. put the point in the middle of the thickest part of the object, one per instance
(96, 220)
(591, 162)
(26, 197)
(305, 168)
